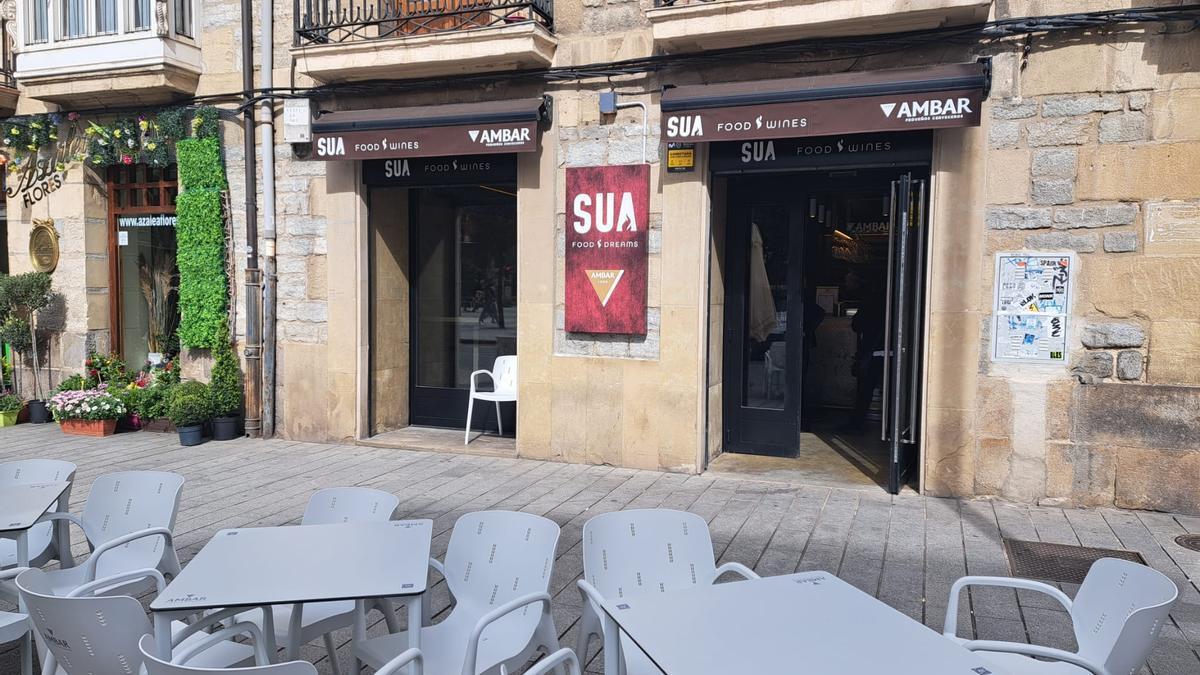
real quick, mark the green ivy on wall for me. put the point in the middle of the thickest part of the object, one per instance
(200, 236)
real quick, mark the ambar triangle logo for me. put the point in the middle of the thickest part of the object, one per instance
(604, 282)
(474, 134)
(887, 108)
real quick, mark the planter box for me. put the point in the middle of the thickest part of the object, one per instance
(161, 426)
(9, 419)
(89, 427)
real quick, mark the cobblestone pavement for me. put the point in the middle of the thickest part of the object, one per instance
(905, 550)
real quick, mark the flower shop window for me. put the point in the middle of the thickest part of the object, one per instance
(143, 277)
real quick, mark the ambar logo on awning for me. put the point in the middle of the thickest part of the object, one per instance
(493, 137)
(924, 111)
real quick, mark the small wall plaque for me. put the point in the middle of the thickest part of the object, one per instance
(43, 246)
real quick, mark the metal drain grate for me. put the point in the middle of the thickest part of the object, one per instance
(1058, 562)
(1189, 541)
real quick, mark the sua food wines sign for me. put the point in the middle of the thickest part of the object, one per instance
(608, 213)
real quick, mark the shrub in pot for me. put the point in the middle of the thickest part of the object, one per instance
(226, 392)
(22, 296)
(89, 412)
(188, 408)
(10, 406)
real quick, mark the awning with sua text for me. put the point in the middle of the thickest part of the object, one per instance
(430, 131)
(883, 100)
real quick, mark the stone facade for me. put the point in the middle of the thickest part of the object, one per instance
(1089, 143)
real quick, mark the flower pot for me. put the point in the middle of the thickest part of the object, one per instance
(89, 427)
(8, 418)
(38, 413)
(225, 428)
(193, 435)
(129, 423)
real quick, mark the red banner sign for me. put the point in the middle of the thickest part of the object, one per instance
(608, 215)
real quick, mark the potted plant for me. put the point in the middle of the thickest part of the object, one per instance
(87, 412)
(157, 383)
(23, 296)
(10, 405)
(226, 392)
(189, 407)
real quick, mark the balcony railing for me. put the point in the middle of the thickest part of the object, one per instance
(47, 22)
(334, 21)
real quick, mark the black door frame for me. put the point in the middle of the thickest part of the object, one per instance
(904, 457)
(442, 406)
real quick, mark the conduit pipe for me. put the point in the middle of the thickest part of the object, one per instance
(266, 129)
(253, 279)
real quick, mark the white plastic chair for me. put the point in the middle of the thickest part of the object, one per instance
(640, 551)
(498, 567)
(563, 658)
(127, 522)
(320, 619)
(86, 634)
(44, 542)
(504, 388)
(1117, 615)
(14, 626)
(156, 666)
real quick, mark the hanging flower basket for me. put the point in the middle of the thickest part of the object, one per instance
(89, 427)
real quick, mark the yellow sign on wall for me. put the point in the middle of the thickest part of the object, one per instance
(43, 246)
(681, 157)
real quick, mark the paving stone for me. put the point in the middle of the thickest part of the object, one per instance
(1120, 242)
(1112, 335)
(1016, 218)
(1080, 243)
(1129, 364)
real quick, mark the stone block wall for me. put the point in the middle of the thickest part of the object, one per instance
(1094, 148)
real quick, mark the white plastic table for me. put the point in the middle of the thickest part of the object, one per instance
(265, 566)
(20, 508)
(796, 623)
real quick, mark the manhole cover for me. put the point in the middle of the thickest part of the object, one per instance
(1058, 562)
(1189, 541)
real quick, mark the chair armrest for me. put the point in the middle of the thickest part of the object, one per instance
(243, 628)
(92, 587)
(736, 568)
(394, 666)
(223, 617)
(435, 564)
(480, 372)
(69, 517)
(494, 615)
(950, 627)
(11, 573)
(564, 656)
(589, 592)
(89, 567)
(1038, 651)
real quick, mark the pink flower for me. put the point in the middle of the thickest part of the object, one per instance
(126, 159)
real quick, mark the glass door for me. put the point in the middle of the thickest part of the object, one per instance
(904, 336)
(464, 300)
(763, 317)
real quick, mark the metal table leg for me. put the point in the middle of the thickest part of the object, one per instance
(415, 615)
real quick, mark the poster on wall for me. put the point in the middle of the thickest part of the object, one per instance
(608, 213)
(1032, 302)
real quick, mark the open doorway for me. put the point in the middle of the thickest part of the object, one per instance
(823, 323)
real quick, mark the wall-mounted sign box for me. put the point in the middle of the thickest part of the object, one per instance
(607, 256)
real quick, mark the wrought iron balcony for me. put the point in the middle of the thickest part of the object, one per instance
(322, 22)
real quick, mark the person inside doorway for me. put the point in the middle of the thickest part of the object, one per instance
(869, 325)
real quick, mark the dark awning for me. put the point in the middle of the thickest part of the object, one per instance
(430, 131)
(884, 100)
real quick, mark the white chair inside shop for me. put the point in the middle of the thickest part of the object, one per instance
(504, 389)
(498, 566)
(1116, 616)
(87, 634)
(642, 551)
(320, 619)
(127, 522)
(43, 545)
(774, 365)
